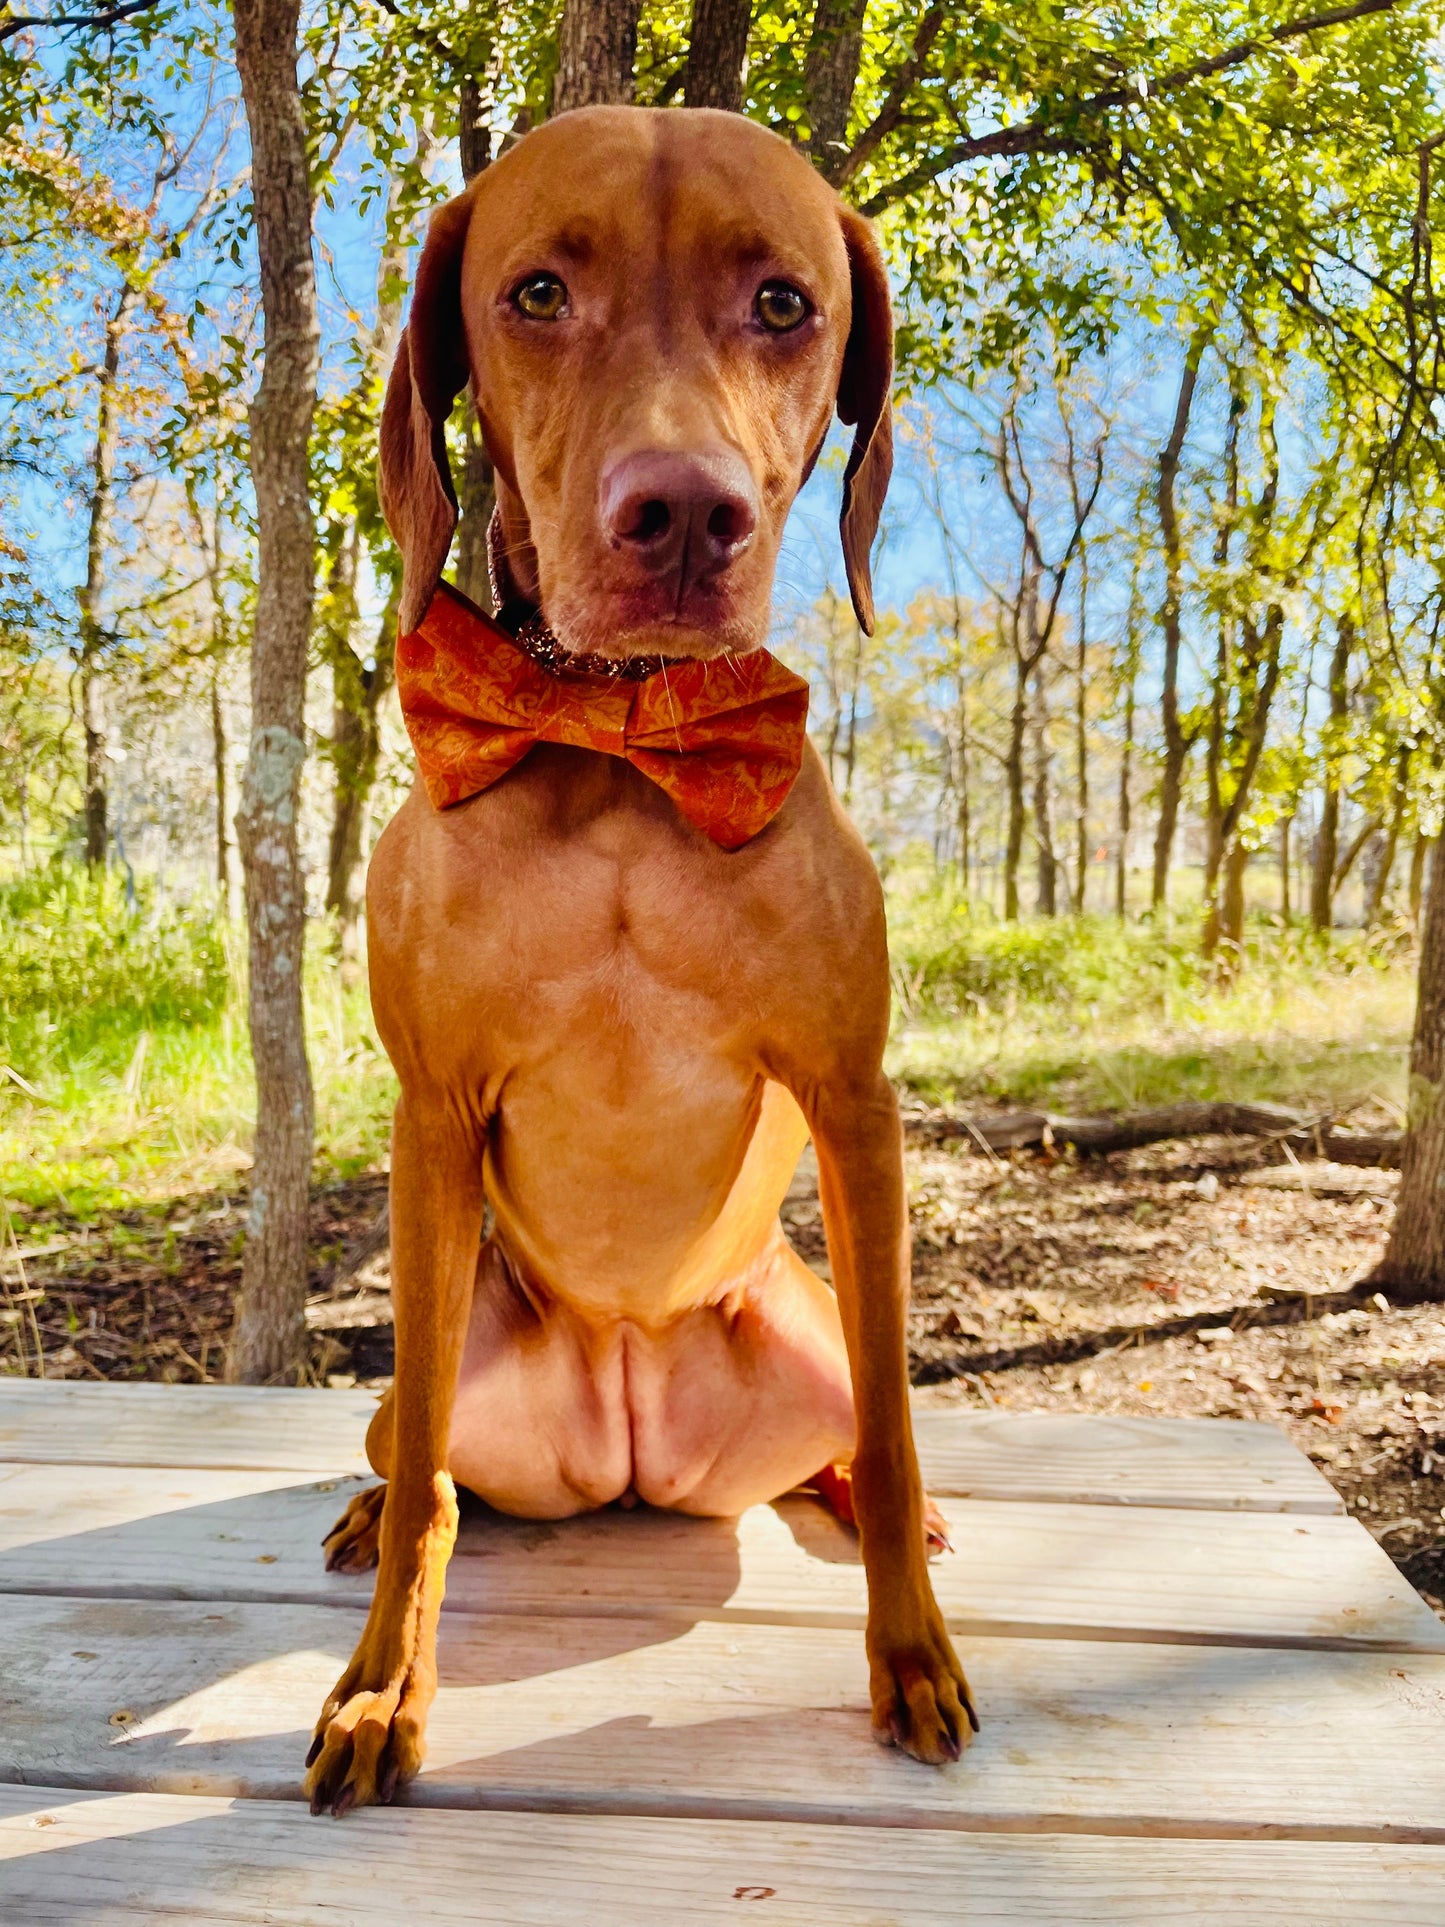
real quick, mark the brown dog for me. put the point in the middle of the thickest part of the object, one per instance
(618, 1033)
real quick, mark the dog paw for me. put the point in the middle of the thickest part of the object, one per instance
(921, 1699)
(351, 1545)
(369, 1739)
(834, 1486)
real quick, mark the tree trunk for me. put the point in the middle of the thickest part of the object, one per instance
(1081, 747)
(269, 1341)
(1284, 830)
(1375, 908)
(1418, 855)
(220, 751)
(1176, 745)
(356, 748)
(1413, 1268)
(717, 53)
(596, 54)
(1347, 862)
(477, 491)
(91, 592)
(965, 830)
(1047, 901)
(1322, 879)
(1121, 861)
(1014, 777)
(830, 73)
(1236, 865)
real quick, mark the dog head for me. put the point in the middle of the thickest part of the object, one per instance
(658, 311)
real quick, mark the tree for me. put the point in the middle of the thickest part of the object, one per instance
(1327, 837)
(269, 1342)
(1177, 740)
(596, 53)
(1413, 1267)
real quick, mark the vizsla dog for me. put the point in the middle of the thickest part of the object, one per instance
(627, 952)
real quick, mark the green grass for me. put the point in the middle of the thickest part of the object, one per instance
(1083, 1013)
(127, 1025)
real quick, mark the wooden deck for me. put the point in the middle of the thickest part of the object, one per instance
(1206, 1692)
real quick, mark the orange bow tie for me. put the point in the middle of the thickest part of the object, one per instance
(724, 738)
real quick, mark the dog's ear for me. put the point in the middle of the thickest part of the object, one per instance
(430, 371)
(865, 403)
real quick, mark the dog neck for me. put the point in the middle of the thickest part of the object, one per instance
(526, 625)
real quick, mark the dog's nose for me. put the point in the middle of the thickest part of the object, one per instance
(691, 513)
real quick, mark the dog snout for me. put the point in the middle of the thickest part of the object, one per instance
(688, 515)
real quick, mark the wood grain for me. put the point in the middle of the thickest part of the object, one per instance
(1083, 1459)
(1063, 1457)
(649, 1717)
(54, 1422)
(73, 1860)
(1041, 1570)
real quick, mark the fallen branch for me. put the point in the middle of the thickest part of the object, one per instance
(1074, 1348)
(1305, 1134)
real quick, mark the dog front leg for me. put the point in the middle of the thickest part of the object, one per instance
(369, 1737)
(920, 1697)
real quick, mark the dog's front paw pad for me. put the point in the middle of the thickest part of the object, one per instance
(365, 1747)
(921, 1703)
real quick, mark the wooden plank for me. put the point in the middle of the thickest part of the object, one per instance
(1039, 1570)
(1062, 1457)
(271, 1428)
(148, 1861)
(1085, 1459)
(646, 1716)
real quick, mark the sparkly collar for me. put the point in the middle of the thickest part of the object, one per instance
(524, 623)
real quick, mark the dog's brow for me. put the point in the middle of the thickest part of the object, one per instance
(573, 244)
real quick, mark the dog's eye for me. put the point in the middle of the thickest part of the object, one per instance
(780, 307)
(541, 297)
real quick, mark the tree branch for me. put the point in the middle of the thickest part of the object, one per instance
(10, 24)
(891, 112)
(1042, 134)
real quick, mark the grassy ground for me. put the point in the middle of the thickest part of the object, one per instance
(1083, 1014)
(125, 1075)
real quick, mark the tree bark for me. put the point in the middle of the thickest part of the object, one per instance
(91, 592)
(1081, 743)
(1047, 900)
(597, 53)
(1126, 757)
(1176, 744)
(1322, 878)
(1413, 1268)
(356, 748)
(1014, 779)
(965, 828)
(1232, 917)
(1313, 1135)
(1418, 854)
(220, 752)
(830, 73)
(477, 491)
(717, 54)
(269, 1341)
(1375, 908)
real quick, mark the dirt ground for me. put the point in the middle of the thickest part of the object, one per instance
(1203, 1278)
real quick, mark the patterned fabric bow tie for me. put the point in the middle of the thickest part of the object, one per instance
(723, 739)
